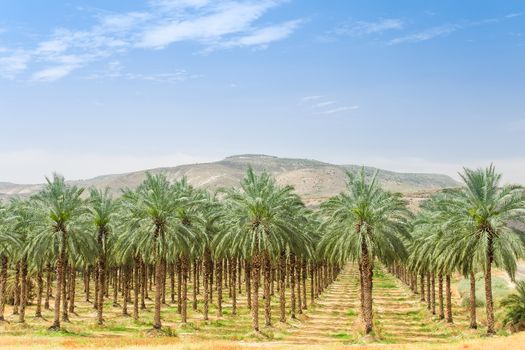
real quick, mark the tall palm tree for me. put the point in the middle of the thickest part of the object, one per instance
(102, 213)
(9, 246)
(149, 216)
(484, 210)
(365, 223)
(61, 205)
(259, 224)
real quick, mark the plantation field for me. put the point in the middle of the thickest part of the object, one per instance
(401, 321)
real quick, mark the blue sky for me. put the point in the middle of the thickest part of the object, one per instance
(97, 87)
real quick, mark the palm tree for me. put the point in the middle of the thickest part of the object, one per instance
(515, 308)
(152, 228)
(61, 205)
(259, 224)
(102, 212)
(365, 223)
(483, 211)
(9, 245)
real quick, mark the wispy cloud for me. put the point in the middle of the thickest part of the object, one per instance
(115, 70)
(212, 24)
(447, 29)
(323, 104)
(338, 110)
(53, 73)
(426, 34)
(261, 37)
(311, 98)
(320, 105)
(360, 28)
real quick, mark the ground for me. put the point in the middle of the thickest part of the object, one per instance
(401, 322)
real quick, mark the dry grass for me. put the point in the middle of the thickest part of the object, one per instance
(330, 324)
(516, 342)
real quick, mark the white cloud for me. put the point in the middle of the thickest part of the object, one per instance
(115, 70)
(338, 110)
(53, 73)
(360, 28)
(30, 166)
(13, 63)
(223, 19)
(446, 29)
(212, 24)
(426, 34)
(263, 36)
(323, 104)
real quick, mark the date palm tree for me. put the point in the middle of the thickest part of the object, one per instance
(9, 246)
(61, 206)
(484, 211)
(363, 224)
(102, 214)
(258, 225)
(151, 226)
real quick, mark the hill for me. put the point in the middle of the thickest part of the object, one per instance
(313, 180)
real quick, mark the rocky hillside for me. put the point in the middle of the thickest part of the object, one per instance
(313, 180)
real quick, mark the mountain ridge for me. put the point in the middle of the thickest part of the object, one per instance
(313, 180)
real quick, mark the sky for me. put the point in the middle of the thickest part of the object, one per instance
(97, 87)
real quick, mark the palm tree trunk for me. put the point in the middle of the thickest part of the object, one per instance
(312, 283)
(367, 288)
(23, 290)
(72, 289)
(488, 286)
(256, 268)
(59, 281)
(65, 286)
(48, 286)
(282, 296)
(97, 286)
(100, 287)
(179, 286)
(115, 287)
(472, 301)
(267, 292)
(233, 287)
(158, 294)
(40, 292)
(448, 293)
(195, 285)
(125, 286)
(206, 279)
(304, 277)
(3, 280)
(218, 278)
(292, 285)
(429, 297)
(299, 294)
(433, 288)
(172, 283)
(16, 290)
(184, 288)
(143, 285)
(248, 278)
(422, 285)
(239, 274)
(441, 301)
(164, 278)
(136, 287)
